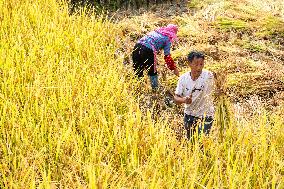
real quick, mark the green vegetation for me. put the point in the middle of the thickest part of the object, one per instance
(271, 26)
(251, 45)
(229, 24)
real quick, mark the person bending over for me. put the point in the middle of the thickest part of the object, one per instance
(145, 52)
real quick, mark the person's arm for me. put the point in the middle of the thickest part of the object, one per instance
(168, 58)
(167, 47)
(170, 62)
(180, 100)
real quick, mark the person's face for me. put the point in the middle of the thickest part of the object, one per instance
(196, 65)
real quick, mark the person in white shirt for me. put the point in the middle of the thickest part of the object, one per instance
(194, 89)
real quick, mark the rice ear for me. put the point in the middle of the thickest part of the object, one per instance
(223, 110)
(220, 78)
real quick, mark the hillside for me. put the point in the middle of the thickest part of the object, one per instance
(242, 39)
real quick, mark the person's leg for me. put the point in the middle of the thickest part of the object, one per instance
(154, 82)
(153, 75)
(187, 125)
(137, 57)
(143, 59)
(208, 124)
(190, 125)
(205, 125)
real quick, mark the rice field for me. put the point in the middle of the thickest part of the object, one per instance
(71, 113)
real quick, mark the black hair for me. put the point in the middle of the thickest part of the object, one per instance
(195, 54)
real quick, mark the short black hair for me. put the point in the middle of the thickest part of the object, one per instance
(195, 54)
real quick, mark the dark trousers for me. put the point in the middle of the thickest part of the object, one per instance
(202, 125)
(143, 59)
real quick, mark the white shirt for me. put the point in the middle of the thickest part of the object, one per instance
(201, 90)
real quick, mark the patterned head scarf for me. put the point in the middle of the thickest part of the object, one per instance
(170, 31)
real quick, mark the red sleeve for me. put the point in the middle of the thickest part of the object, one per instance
(170, 62)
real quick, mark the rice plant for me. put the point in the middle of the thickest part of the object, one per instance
(70, 115)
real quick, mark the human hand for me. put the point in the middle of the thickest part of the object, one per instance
(188, 99)
(176, 72)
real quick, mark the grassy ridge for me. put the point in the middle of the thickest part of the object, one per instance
(69, 116)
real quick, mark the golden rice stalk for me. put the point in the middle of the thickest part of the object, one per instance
(223, 115)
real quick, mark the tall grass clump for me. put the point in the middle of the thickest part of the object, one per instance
(70, 119)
